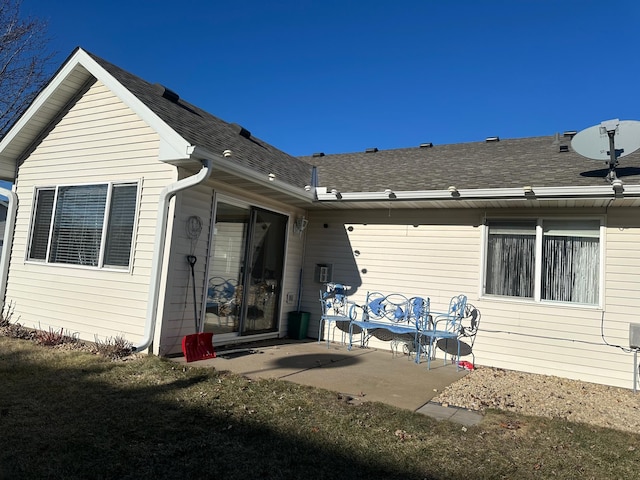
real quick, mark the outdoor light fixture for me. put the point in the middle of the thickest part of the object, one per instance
(336, 193)
(272, 177)
(227, 153)
(389, 193)
(307, 188)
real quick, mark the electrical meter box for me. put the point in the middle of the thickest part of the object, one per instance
(324, 272)
(634, 335)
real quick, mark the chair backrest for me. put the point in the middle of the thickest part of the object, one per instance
(334, 299)
(395, 308)
(457, 307)
(470, 324)
(420, 312)
(221, 289)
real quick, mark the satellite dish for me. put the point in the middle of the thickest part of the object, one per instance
(594, 142)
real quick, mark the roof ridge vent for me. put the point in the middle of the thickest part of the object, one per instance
(492, 139)
(240, 130)
(371, 150)
(164, 92)
(318, 154)
(426, 145)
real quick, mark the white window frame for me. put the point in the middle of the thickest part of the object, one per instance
(106, 218)
(537, 296)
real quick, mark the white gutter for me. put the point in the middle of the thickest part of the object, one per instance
(12, 208)
(166, 195)
(324, 195)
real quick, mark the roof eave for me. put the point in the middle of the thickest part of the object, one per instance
(454, 194)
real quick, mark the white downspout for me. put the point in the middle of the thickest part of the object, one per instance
(12, 208)
(166, 195)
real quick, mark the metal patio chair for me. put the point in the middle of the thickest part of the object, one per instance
(446, 326)
(466, 336)
(336, 309)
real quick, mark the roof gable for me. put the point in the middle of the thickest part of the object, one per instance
(181, 125)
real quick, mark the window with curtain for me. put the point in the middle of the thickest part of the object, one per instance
(511, 252)
(566, 268)
(89, 225)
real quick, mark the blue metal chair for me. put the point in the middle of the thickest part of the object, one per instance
(336, 309)
(463, 345)
(446, 326)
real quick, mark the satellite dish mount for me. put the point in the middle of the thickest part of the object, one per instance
(610, 127)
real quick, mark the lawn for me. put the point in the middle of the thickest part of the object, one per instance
(70, 414)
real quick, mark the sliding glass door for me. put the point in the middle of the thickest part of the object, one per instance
(245, 270)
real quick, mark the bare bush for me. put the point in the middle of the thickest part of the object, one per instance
(53, 337)
(113, 347)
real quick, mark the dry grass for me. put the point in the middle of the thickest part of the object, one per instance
(70, 414)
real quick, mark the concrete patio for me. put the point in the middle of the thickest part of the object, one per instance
(358, 375)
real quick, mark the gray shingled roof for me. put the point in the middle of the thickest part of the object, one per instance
(207, 131)
(535, 161)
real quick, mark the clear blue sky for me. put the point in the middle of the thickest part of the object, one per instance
(339, 76)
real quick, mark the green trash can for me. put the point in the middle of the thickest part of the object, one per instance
(298, 324)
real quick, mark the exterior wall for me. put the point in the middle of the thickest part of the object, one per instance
(437, 253)
(100, 139)
(178, 314)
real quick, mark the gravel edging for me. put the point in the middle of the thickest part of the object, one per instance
(545, 396)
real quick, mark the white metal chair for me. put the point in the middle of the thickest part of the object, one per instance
(336, 309)
(446, 326)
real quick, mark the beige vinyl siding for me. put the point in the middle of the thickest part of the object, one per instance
(566, 340)
(438, 254)
(178, 315)
(99, 140)
(426, 253)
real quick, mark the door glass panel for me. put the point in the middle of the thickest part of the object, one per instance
(226, 269)
(266, 259)
(245, 301)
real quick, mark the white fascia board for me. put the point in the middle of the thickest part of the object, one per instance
(37, 104)
(478, 193)
(172, 145)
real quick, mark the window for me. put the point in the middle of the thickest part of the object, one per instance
(545, 260)
(88, 225)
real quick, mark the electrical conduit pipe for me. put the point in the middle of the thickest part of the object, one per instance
(166, 195)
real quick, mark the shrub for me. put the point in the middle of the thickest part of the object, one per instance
(53, 337)
(113, 347)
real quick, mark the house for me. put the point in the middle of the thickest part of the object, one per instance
(118, 182)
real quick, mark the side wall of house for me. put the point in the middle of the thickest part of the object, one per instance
(100, 139)
(438, 254)
(177, 310)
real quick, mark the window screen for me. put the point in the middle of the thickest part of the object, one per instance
(82, 212)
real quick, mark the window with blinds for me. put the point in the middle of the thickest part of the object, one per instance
(90, 225)
(545, 260)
